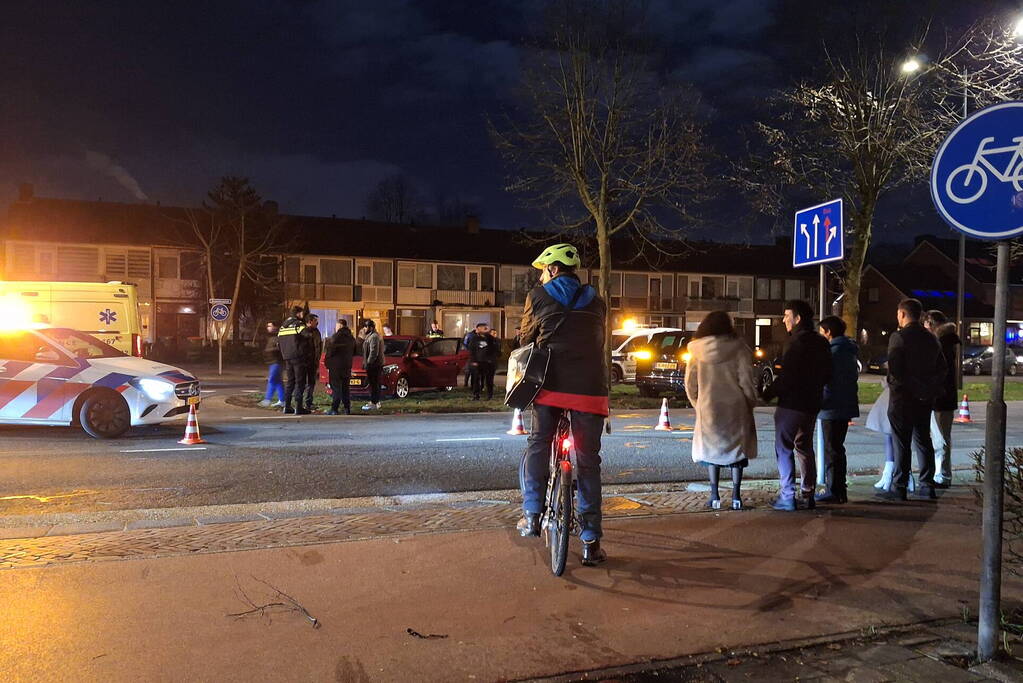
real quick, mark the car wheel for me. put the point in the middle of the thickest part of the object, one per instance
(1013, 369)
(976, 369)
(765, 381)
(104, 415)
(401, 387)
(617, 376)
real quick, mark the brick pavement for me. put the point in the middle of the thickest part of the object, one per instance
(339, 525)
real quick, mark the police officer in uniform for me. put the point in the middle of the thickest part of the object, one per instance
(293, 349)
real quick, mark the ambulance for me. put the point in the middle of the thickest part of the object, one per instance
(105, 310)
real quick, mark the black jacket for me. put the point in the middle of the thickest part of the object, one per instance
(272, 351)
(291, 340)
(483, 348)
(577, 375)
(805, 369)
(338, 350)
(916, 366)
(948, 340)
(313, 346)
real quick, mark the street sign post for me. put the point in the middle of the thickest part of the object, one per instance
(977, 187)
(220, 311)
(818, 238)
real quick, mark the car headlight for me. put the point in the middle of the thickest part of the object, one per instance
(642, 355)
(156, 389)
(390, 368)
(686, 356)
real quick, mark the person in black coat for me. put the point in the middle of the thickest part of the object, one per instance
(484, 350)
(916, 376)
(314, 350)
(338, 350)
(946, 403)
(805, 369)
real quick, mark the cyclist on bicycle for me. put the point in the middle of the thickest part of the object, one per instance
(576, 381)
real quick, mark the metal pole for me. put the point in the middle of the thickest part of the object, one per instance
(819, 432)
(988, 627)
(961, 308)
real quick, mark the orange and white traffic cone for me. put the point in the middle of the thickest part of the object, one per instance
(517, 428)
(663, 423)
(192, 429)
(964, 411)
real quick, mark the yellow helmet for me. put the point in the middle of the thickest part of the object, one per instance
(563, 253)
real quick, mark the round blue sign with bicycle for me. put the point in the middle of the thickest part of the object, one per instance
(977, 174)
(220, 312)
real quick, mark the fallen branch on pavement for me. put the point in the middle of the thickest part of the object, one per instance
(427, 636)
(281, 602)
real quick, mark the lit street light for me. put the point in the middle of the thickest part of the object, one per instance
(911, 65)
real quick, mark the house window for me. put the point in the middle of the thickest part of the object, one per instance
(635, 285)
(424, 276)
(336, 271)
(873, 295)
(406, 276)
(682, 285)
(763, 288)
(793, 289)
(364, 275)
(487, 279)
(116, 265)
(732, 288)
(167, 267)
(713, 287)
(292, 268)
(382, 274)
(694, 288)
(776, 290)
(309, 274)
(451, 277)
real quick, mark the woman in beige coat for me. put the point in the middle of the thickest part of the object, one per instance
(719, 384)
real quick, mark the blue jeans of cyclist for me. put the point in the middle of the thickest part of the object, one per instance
(274, 382)
(535, 468)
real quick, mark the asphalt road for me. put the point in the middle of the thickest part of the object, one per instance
(257, 456)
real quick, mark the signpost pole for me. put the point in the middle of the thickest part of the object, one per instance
(220, 354)
(822, 299)
(961, 307)
(989, 624)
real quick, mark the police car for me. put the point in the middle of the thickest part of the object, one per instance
(58, 376)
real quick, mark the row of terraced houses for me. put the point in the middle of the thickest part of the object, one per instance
(405, 275)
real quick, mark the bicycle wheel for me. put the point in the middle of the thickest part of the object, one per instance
(561, 517)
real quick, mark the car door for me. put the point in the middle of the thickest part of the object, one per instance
(444, 355)
(418, 367)
(33, 377)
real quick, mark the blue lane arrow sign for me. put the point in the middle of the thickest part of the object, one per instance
(817, 235)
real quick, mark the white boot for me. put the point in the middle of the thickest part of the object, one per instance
(886, 476)
(912, 484)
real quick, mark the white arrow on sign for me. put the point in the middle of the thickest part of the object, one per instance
(832, 232)
(816, 222)
(802, 229)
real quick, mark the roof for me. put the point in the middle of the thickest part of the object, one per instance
(933, 289)
(69, 220)
(980, 257)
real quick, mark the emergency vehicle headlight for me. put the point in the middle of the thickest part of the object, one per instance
(156, 389)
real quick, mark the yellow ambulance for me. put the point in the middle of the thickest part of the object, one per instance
(106, 310)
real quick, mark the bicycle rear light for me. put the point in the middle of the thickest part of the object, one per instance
(566, 445)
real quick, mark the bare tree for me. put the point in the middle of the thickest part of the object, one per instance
(599, 146)
(239, 236)
(861, 129)
(393, 200)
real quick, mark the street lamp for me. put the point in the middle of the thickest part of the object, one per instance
(1017, 29)
(911, 66)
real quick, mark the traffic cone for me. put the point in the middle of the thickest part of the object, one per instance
(663, 423)
(192, 429)
(964, 411)
(517, 428)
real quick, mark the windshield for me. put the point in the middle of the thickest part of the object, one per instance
(618, 339)
(972, 351)
(79, 344)
(395, 347)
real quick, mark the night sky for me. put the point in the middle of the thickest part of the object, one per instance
(317, 101)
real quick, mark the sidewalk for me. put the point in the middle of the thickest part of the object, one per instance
(706, 584)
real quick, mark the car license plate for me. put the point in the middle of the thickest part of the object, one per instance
(194, 400)
(355, 382)
(665, 366)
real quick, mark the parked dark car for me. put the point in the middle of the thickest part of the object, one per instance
(412, 363)
(661, 365)
(878, 365)
(981, 362)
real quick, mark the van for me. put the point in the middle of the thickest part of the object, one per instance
(106, 310)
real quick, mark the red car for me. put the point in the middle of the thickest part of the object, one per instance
(411, 363)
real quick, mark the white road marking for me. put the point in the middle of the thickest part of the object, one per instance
(475, 438)
(164, 450)
(272, 417)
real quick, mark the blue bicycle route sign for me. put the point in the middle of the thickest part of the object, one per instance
(817, 235)
(977, 174)
(220, 312)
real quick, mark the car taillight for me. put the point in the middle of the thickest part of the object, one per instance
(136, 345)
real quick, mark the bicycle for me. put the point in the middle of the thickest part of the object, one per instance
(559, 519)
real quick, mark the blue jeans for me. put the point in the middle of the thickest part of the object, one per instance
(274, 384)
(793, 435)
(535, 467)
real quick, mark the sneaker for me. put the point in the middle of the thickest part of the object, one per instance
(736, 503)
(713, 504)
(371, 406)
(942, 484)
(809, 502)
(784, 504)
(288, 410)
(592, 554)
(834, 498)
(529, 525)
(277, 404)
(265, 403)
(332, 412)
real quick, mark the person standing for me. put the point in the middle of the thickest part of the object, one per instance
(719, 384)
(435, 330)
(373, 362)
(469, 379)
(338, 350)
(483, 360)
(916, 376)
(517, 339)
(314, 350)
(945, 404)
(841, 403)
(576, 383)
(293, 351)
(806, 368)
(275, 369)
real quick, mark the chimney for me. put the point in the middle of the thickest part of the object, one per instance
(26, 192)
(472, 224)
